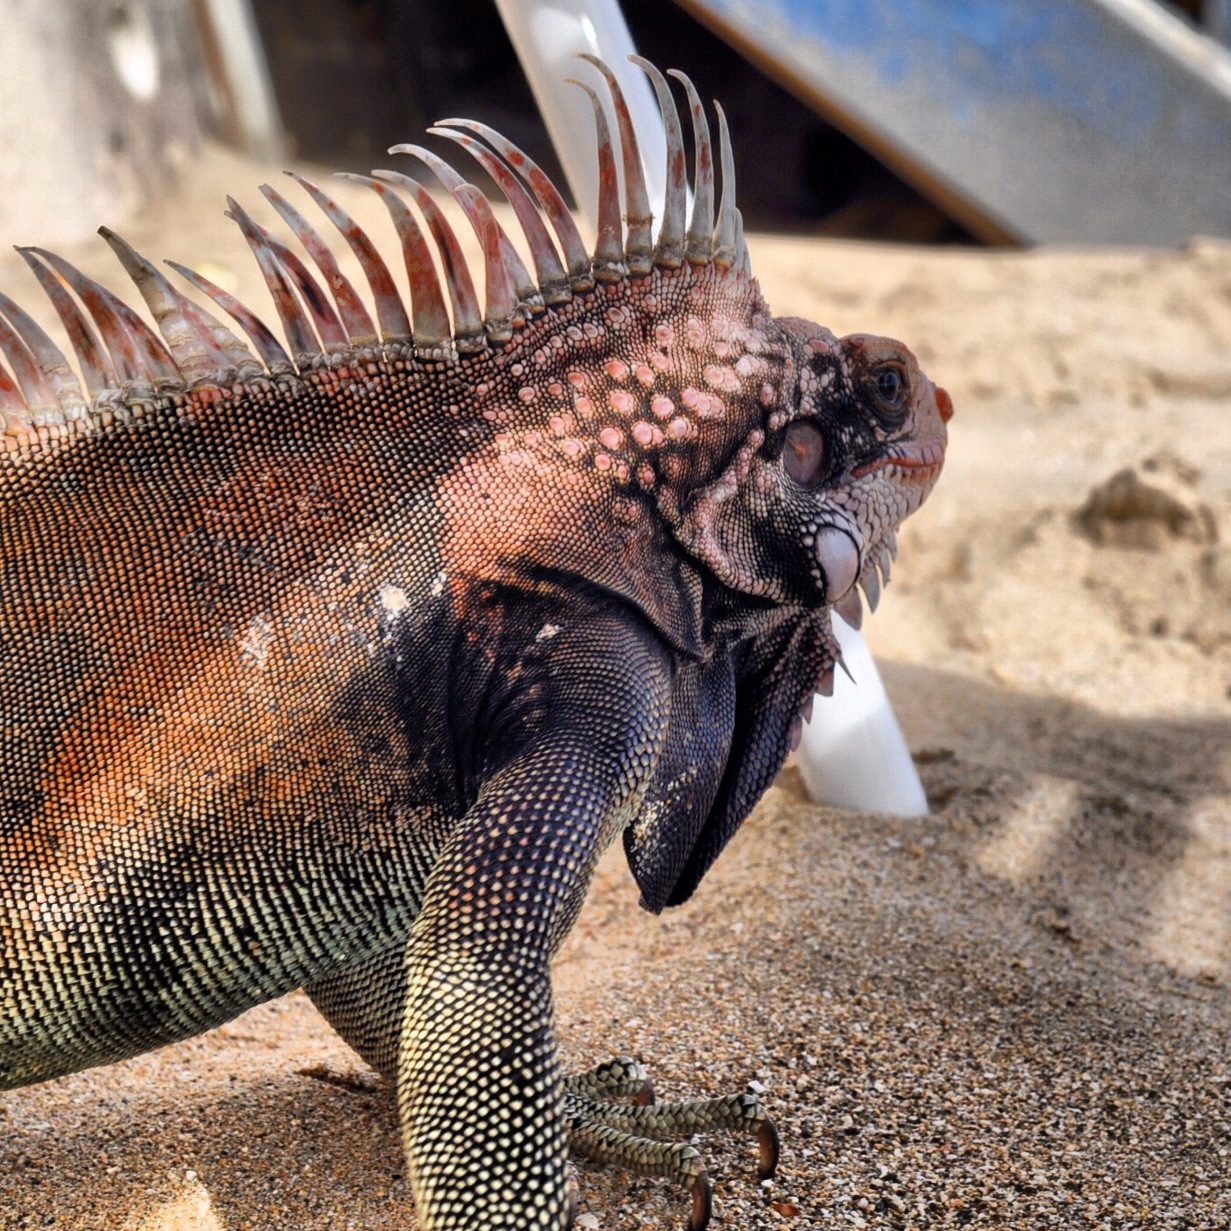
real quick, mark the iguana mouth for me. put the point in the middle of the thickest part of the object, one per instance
(923, 458)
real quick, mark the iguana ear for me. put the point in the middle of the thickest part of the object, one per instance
(677, 803)
(775, 678)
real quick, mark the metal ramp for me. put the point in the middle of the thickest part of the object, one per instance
(1093, 121)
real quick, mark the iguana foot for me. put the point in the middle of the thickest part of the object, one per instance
(638, 1136)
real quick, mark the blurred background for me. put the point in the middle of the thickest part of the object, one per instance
(979, 122)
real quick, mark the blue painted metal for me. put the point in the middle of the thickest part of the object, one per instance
(1040, 120)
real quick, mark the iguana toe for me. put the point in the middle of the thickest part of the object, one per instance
(644, 1137)
(619, 1077)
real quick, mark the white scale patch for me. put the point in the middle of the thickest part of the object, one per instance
(547, 632)
(438, 584)
(255, 645)
(646, 820)
(393, 599)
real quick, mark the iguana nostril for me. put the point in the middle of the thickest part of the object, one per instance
(838, 557)
(944, 403)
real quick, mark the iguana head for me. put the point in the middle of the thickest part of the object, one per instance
(851, 441)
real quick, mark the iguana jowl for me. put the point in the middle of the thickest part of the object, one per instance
(340, 668)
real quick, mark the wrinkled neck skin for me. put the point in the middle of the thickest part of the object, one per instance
(738, 527)
(723, 523)
(604, 423)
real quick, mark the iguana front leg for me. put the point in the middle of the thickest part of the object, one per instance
(480, 1091)
(535, 828)
(609, 1110)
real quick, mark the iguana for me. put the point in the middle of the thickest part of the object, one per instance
(339, 665)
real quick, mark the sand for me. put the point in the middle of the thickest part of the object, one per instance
(1010, 1013)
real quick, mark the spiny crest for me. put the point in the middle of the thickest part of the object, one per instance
(123, 363)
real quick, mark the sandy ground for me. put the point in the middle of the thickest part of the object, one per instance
(1011, 1013)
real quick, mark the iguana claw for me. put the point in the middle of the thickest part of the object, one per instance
(702, 1203)
(574, 1200)
(769, 1145)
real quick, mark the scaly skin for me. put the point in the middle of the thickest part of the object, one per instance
(345, 679)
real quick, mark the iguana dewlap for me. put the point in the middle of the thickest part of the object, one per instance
(339, 666)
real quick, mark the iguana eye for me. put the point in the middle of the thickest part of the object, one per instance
(889, 386)
(803, 453)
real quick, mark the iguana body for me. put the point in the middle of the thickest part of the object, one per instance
(343, 672)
